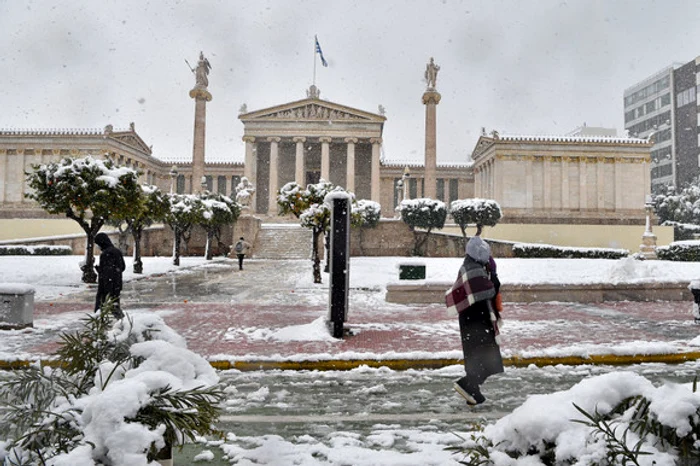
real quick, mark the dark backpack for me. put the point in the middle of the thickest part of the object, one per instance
(239, 247)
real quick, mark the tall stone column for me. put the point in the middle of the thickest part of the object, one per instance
(325, 158)
(618, 182)
(350, 175)
(251, 167)
(201, 96)
(274, 175)
(299, 161)
(430, 99)
(565, 196)
(375, 180)
(582, 183)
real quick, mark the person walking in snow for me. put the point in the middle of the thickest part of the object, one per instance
(473, 297)
(109, 272)
(242, 247)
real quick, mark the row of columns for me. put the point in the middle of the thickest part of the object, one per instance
(489, 184)
(299, 172)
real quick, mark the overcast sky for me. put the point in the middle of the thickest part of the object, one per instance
(522, 67)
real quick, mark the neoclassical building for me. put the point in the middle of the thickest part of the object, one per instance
(564, 179)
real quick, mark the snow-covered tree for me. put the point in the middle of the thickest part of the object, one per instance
(183, 214)
(366, 213)
(152, 207)
(680, 207)
(87, 190)
(308, 206)
(217, 210)
(424, 213)
(479, 212)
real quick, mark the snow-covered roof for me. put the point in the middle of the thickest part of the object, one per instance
(53, 131)
(594, 139)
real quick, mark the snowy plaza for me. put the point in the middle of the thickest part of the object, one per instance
(272, 312)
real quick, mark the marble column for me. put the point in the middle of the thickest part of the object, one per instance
(350, 174)
(3, 173)
(201, 96)
(375, 180)
(431, 99)
(529, 182)
(299, 177)
(251, 167)
(274, 175)
(565, 193)
(599, 183)
(547, 174)
(582, 183)
(325, 158)
(618, 182)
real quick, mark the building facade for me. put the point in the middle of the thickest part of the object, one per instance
(566, 179)
(664, 106)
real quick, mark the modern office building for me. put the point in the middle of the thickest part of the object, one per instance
(665, 105)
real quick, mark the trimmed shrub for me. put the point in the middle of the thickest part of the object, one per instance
(40, 250)
(682, 251)
(524, 250)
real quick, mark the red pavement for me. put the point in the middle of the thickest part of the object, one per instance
(227, 331)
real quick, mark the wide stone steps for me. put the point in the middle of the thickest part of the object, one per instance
(283, 241)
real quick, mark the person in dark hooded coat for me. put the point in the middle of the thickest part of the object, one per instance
(109, 271)
(472, 297)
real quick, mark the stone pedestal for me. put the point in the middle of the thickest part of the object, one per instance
(430, 99)
(648, 246)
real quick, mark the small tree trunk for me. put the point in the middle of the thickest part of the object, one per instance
(138, 265)
(478, 230)
(176, 246)
(88, 268)
(207, 247)
(315, 256)
(420, 244)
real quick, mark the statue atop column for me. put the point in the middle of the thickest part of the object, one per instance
(431, 71)
(202, 71)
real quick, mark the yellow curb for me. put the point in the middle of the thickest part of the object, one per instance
(403, 364)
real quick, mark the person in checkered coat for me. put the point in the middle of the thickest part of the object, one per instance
(472, 297)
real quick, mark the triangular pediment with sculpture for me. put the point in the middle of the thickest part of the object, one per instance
(311, 109)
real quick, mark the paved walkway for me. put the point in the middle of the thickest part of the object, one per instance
(260, 318)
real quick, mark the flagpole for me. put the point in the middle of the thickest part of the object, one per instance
(315, 40)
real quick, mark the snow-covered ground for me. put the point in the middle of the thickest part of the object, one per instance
(53, 276)
(544, 417)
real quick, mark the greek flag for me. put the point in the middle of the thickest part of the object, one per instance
(320, 52)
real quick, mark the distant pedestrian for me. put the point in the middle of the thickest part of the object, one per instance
(242, 247)
(109, 271)
(473, 297)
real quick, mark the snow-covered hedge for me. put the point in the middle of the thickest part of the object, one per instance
(40, 250)
(423, 213)
(366, 213)
(683, 251)
(528, 250)
(616, 418)
(683, 231)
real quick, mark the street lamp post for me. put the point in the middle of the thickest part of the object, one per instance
(173, 177)
(404, 178)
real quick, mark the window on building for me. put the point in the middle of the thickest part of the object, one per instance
(665, 100)
(685, 97)
(180, 184)
(454, 190)
(209, 183)
(221, 184)
(629, 116)
(440, 189)
(413, 188)
(650, 106)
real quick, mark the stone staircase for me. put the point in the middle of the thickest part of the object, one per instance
(282, 241)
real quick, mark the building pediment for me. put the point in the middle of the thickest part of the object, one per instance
(482, 146)
(311, 109)
(131, 139)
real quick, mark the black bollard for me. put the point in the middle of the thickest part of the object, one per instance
(694, 288)
(339, 265)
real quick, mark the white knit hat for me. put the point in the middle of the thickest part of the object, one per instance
(478, 249)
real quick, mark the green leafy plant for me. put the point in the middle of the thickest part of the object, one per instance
(424, 213)
(42, 407)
